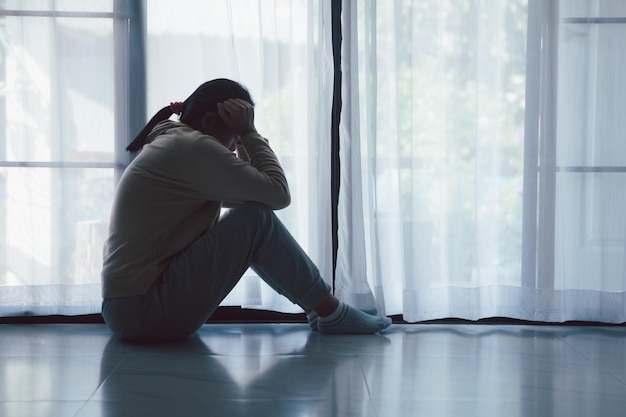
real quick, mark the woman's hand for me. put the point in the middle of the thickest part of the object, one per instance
(238, 115)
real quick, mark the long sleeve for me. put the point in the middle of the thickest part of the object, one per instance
(172, 192)
(220, 175)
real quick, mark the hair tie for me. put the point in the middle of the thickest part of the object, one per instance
(177, 107)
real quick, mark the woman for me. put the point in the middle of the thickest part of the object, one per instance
(170, 259)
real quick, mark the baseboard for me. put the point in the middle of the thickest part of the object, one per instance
(233, 314)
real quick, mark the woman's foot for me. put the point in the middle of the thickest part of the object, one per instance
(313, 317)
(349, 320)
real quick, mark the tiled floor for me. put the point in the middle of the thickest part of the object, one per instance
(286, 370)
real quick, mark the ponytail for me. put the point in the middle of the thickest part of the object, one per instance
(141, 138)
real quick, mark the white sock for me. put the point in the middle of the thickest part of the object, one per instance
(312, 316)
(349, 320)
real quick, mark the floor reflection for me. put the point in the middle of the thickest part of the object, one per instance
(287, 370)
(240, 371)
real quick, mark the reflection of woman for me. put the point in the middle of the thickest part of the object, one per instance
(201, 375)
(169, 261)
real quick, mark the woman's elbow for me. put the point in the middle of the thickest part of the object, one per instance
(283, 200)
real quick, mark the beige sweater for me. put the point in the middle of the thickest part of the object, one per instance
(172, 192)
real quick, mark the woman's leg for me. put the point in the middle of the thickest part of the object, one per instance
(201, 276)
(286, 267)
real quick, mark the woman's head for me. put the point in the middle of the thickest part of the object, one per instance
(206, 97)
(201, 102)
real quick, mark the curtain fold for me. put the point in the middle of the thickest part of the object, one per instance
(353, 262)
(481, 160)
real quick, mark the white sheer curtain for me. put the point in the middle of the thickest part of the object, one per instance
(282, 51)
(483, 164)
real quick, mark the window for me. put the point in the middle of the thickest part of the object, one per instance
(63, 75)
(590, 160)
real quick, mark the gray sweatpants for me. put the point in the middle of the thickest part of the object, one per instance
(202, 275)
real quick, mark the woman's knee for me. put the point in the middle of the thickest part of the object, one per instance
(253, 212)
(253, 207)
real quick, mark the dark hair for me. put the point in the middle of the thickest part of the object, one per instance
(201, 101)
